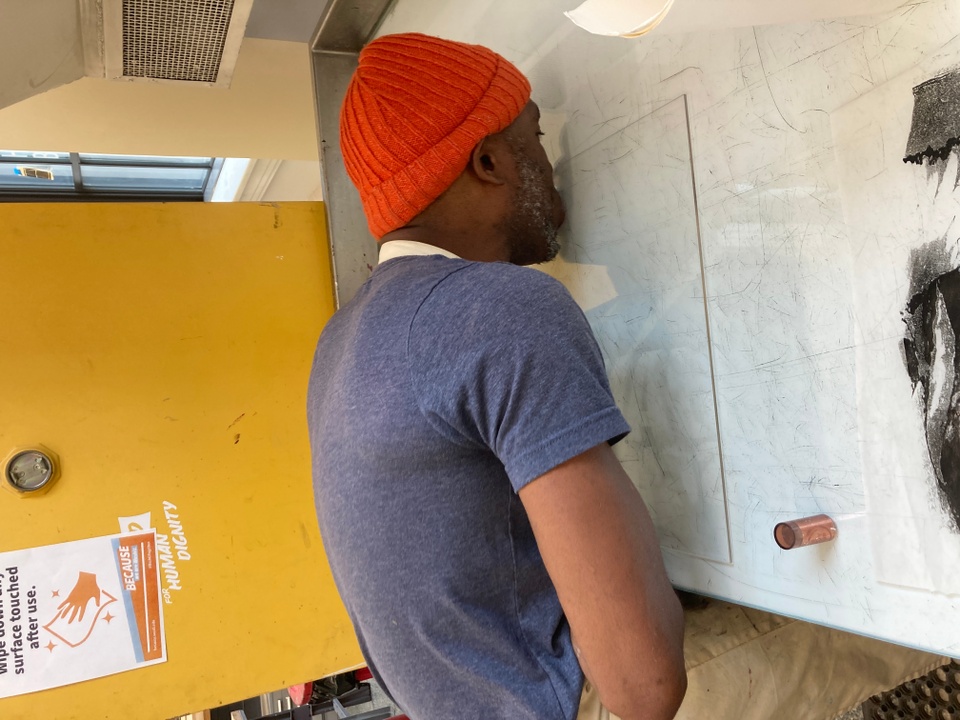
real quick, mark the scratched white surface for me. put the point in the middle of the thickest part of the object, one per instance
(633, 220)
(891, 209)
(779, 267)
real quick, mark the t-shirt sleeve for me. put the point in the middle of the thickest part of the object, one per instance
(502, 357)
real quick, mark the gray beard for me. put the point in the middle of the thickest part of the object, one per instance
(532, 226)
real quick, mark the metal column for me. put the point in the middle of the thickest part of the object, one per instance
(346, 26)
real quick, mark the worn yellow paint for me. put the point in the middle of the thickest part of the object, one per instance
(163, 351)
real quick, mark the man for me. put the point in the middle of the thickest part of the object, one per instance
(489, 547)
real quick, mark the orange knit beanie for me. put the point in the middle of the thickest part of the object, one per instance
(414, 110)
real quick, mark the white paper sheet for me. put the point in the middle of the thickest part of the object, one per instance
(631, 259)
(894, 210)
(79, 610)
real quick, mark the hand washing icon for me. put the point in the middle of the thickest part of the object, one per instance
(76, 617)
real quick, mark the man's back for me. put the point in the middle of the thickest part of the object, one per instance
(476, 519)
(436, 394)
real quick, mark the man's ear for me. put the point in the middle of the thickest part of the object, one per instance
(489, 160)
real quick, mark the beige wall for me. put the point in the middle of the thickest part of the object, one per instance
(40, 48)
(295, 181)
(266, 112)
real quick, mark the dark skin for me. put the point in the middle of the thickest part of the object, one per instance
(592, 527)
(469, 218)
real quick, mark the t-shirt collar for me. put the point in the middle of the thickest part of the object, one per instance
(400, 248)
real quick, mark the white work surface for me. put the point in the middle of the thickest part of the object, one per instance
(705, 165)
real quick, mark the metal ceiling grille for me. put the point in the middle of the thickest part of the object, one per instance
(175, 39)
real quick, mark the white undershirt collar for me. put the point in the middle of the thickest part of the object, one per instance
(401, 248)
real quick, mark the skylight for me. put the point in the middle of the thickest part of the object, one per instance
(36, 176)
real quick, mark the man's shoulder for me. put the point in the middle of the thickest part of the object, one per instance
(488, 302)
(499, 283)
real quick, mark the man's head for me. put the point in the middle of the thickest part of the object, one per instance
(442, 141)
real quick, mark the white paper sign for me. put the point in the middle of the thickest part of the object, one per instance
(79, 610)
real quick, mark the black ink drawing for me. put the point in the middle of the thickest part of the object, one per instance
(932, 316)
(935, 127)
(932, 355)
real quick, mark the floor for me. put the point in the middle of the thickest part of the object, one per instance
(944, 678)
(381, 700)
(856, 714)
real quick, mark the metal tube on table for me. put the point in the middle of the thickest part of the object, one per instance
(805, 531)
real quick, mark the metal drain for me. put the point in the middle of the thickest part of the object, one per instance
(935, 696)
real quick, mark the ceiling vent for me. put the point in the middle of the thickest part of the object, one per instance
(182, 41)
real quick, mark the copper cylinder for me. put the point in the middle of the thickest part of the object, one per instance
(806, 531)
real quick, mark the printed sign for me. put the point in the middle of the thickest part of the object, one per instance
(78, 611)
(172, 546)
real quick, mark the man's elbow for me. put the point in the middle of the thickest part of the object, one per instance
(656, 699)
(674, 697)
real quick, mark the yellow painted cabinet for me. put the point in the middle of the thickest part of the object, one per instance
(162, 351)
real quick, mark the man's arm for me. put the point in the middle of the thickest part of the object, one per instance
(601, 551)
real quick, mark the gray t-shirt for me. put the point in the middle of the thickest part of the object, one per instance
(436, 394)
